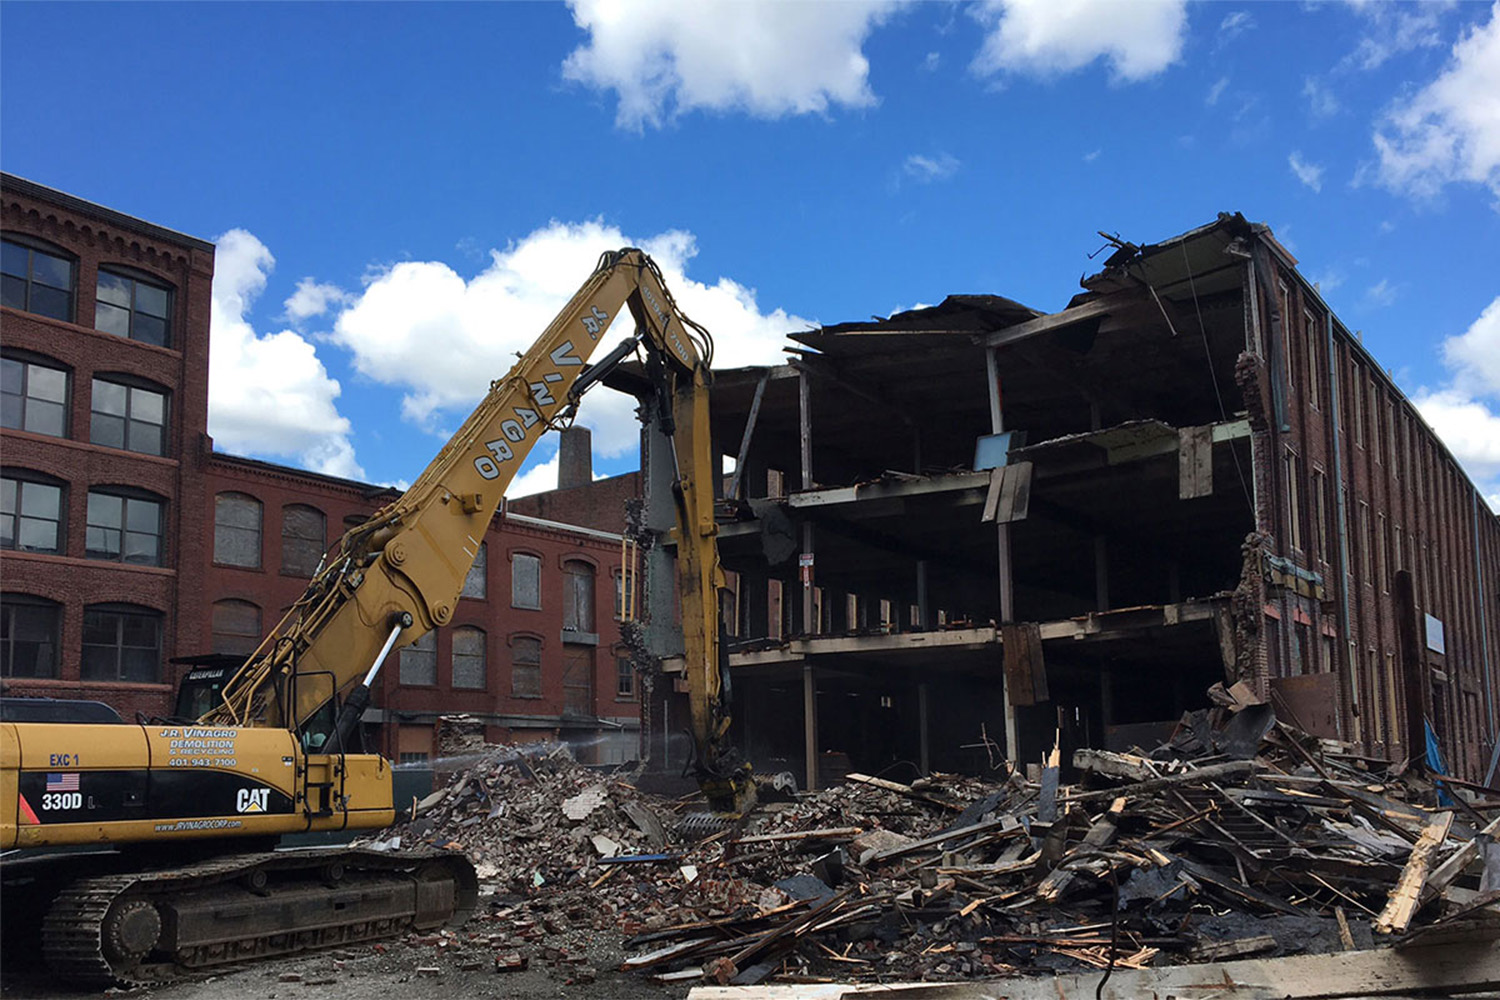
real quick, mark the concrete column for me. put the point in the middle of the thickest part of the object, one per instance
(1006, 582)
(810, 724)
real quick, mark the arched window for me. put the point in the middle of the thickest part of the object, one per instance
(29, 631)
(124, 525)
(525, 666)
(236, 627)
(578, 596)
(468, 658)
(419, 662)
(121, 642)
(475, 584)
(31, 513)
(33, 397)
(237, 530)
(133, 307)
(35, 280)
(302, 541)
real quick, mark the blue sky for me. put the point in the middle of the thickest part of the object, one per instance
(403, 194)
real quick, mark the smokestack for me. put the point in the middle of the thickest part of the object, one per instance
(575, 458)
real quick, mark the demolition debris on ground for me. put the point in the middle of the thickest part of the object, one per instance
(1240, 837)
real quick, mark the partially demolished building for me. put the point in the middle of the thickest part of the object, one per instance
(960, 531)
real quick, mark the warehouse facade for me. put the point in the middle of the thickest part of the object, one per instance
(965, 532)
(127, 543)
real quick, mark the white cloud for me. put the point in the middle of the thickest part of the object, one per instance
(1092, 155)
(932, 61)
(1466, 412)
(313, 299)
(1449, 131)
(1310, 174)
(930, 168)
(666, 57)
(422, 327)
(1051, 37)
(1216, 91)
(1328, 280)
(1393, 29)
(1321, 102)
(268, 395)
(540, 478)
(1235, 24)
(1382, 293)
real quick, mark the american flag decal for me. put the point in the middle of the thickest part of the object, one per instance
(62, 782)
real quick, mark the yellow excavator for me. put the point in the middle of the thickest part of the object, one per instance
(185, 815)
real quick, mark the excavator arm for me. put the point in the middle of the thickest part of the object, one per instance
(397, 576)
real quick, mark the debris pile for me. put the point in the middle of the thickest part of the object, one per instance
(1240, 837)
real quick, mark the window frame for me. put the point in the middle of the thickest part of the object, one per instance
(136, 279)
(515, 563)
(9, 602)
(32, 246)
(127, 496)
(406, 660)
(579, 589)
(482, 655)
(515, 643)
(321, 540)
(215, 632)
(27, 363)
(476, 578)
(625, 685)
(131, 386)
(23, 477)
(121, 612)
(260, 531)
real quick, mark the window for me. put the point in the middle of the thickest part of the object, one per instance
(33, 398)
(1313, 374)
(1375, 416)
(624, 679)
(468, 658)
(121, 643)
(1357, 397)
(419, 662)
(1294, 500)
(1366, 545)
(29, 630)
(123, 529)
(237, 530)
(1383, 554)
(129, 417)
(1290, 347)
(624, 595)
(130, 307)
(474, 581)
(578, 596)
(525, 581)
(578, 680)
(526, 667)
(30, 516)
(302, 542)
(1320, 514)
(36, 281)
(236, 627)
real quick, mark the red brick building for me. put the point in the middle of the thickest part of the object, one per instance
(104, 333)
(125, 542)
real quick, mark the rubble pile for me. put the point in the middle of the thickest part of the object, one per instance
(1240, 837)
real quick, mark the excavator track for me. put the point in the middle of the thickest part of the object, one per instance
(148, 927)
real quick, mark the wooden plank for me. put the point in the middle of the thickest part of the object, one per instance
(1443, 875)
(1195, 462)
(1237, 948)
(900, 789)
(1449, 968)
(1046, 810)
(1009, 495)
(1025, 668)
(942, 838)
(1099, 835)
(1131, 767)
(1197, 776)
(1402, 905)
(826, 832)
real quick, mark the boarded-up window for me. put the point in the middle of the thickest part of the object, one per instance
(578, 680)
(468, 658)
(526, 667)
(237, 530)
(301, 540)
(419, 662)
(525, 581)
(578, 596)
(474, 582)
(236, 627)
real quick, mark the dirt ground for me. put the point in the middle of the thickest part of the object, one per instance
(401, 972)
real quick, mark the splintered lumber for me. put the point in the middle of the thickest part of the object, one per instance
(823, 834)
(1005, 822)
(1127, 766)
(1195, 776)
(1046, 811)
(1402, 905)
(1443, 875)
(1237, 948)
(900, 789)
(1443, 969)
(1099, 835)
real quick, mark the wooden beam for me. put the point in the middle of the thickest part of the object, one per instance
(737, 483)
(1092, 309)
(1404, 899)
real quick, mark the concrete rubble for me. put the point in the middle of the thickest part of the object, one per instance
(1240, 838)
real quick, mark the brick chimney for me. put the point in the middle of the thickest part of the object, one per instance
(575, 458)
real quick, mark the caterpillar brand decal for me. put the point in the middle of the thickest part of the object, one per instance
(252, 800)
